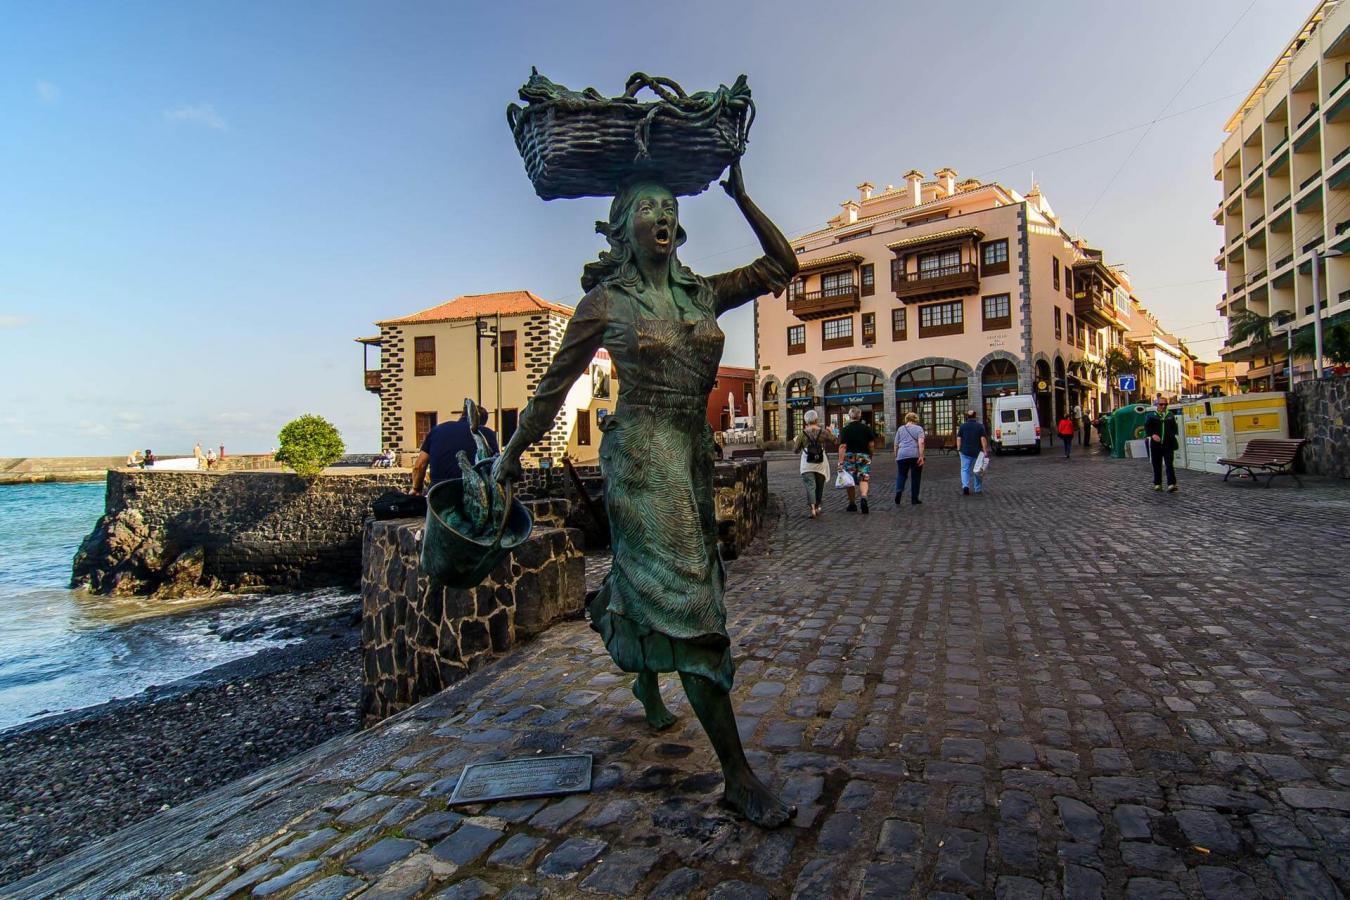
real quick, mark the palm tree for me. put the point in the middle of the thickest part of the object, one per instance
(1260, 330)
(1123, 360)
(1335, 344)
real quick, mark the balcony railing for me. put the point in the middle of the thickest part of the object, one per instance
(373, 380)
(945, 281)
(1095, 306)
(1340, 156)
(1276, 149)
(1257, 221)
(1310, 179)
(1311, 244)
(1254, 169)
(1312, 112)
(1279, 203)
(827, 302)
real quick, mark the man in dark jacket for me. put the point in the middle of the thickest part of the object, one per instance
(1160, 427)
(440, 446)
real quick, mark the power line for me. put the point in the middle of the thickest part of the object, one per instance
(1184, 84)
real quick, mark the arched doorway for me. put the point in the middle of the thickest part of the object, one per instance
(860, 389)
(1077, 383)
(998, 379)
(1061, 394)
(938, 393)
(799, 400)
(1042, 392)
(769, 408)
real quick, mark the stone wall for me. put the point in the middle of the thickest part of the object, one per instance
(172, 532)
(741, 495)
(417, 639)
(1318, 411)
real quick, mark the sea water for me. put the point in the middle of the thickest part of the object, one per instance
(62, 649)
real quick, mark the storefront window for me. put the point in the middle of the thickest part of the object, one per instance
(861, 389)
(938, 394)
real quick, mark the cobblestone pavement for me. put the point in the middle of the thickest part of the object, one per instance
(1069, 686)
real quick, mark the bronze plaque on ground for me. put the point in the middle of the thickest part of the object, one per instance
(536, 776)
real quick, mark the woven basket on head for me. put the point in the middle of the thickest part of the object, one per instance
(581, 144)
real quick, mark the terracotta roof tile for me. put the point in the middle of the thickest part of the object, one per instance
(470, 306)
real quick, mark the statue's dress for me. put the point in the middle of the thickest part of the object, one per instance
(661, 606)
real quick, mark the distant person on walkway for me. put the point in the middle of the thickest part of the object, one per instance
(811, 443)
(211, 457)
(856, 441)
(971, 441)
(149, 459)
(439, 449)
(909, 458)
(1065, 429)
(1160, 427)
(199, 455)
(1087, 429)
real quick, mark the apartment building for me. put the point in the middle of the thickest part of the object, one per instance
(1285, 169)
(936, 296)
(486, 346)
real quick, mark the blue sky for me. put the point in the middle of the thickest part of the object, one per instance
(202, 204)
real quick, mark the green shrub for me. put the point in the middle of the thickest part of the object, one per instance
(308, 444)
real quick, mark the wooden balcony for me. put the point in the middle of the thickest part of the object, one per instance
(836, 301)
(933, 284)
(373, 380)
(1095, 307)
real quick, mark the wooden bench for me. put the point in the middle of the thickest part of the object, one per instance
(1267, 456)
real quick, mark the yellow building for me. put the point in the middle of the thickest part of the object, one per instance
(494, 348)
(1285, 170)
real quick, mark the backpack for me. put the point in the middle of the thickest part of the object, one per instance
(398, 505)
(815, 453)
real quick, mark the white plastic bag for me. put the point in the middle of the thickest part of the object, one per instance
(981, 463)
(843, 480)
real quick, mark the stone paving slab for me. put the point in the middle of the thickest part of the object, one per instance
(1067, 687)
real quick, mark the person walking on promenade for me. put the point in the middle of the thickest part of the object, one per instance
(1087, 429)
(1160, 427)
(199, 455)
(1066, 430)
(856, 440)
(971, 441)
(909, 458)
(210, 457)
(815, 461)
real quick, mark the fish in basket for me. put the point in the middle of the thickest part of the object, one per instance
(472, 521)
(583, 144)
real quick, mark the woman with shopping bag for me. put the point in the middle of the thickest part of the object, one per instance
(811, 443)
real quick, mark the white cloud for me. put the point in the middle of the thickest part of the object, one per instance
(203, 114)
(92, 429)
(13, 321)
(48, 92)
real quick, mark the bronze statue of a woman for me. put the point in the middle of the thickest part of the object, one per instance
(661, 607)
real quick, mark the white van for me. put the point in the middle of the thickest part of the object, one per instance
(1016, 424)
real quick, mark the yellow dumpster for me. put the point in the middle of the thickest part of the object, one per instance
(1217, 427)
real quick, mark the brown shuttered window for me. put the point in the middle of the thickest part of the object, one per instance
(994, 257)
(938, 319)
(869, 279)
(869, 328)
(583, 427)
(899, 324)
(424, 356)
(997, 312)
(836, 333)
(796, 338)
(508, 351)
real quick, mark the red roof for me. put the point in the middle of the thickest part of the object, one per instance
(734, 372)
(470, 306)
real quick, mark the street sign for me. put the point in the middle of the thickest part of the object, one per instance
(1128, 383)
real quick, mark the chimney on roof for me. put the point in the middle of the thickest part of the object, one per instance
(865, 191)
(948, 177)
(914, 178)
(850, 211)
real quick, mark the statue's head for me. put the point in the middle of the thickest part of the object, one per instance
(644, 223)
(647, 215)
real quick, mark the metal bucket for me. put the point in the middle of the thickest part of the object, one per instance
(451, 554)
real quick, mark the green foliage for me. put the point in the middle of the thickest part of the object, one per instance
(1261, 330)
(308, 444)
(1335, 344)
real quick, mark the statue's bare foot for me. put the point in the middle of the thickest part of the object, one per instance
(752, 798)
(646, 689)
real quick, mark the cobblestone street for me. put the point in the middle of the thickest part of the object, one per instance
(1068, 686)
